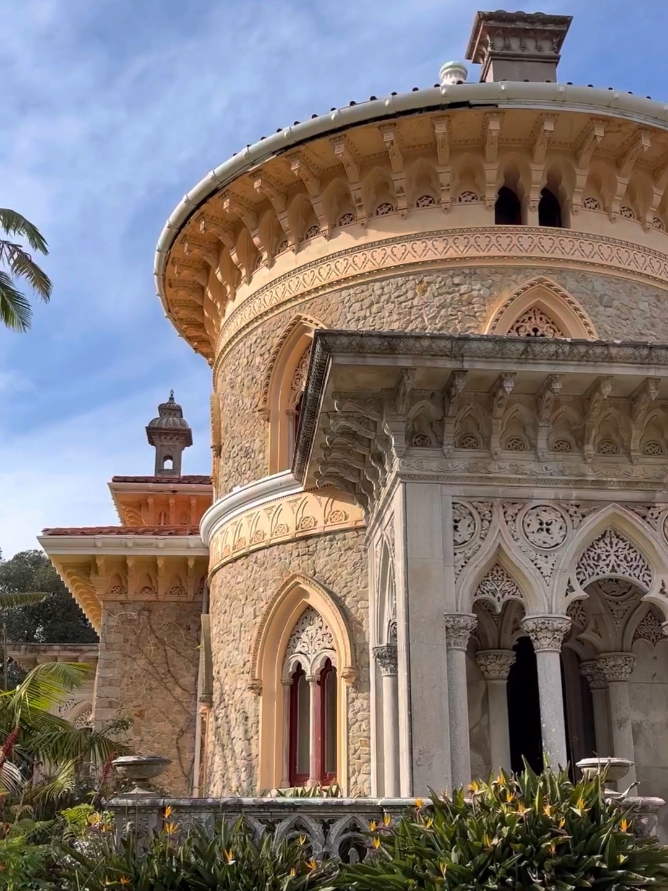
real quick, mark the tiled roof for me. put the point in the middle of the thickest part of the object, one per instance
(189, 479)
(122, 530)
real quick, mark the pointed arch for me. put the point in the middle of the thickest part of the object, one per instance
(633, 555)
(542, 296)
(518, 429)
(296, 595)
(278, 395)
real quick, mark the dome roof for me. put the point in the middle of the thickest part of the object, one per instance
(170, 417)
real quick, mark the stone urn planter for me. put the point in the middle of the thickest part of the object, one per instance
(614, 769)
(139, 769)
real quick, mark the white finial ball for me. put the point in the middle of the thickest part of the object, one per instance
(453, 73)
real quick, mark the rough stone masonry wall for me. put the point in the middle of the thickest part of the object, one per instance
(147, 672)
(239, 594)
(451, 302)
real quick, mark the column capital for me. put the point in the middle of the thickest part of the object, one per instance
(592, 672)
(547, 633)
(458, 628)
(616, 666)
(495, 665)
(387, 659)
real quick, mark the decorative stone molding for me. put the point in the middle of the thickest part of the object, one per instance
(497, 586)
(458, 628)
(242, 523)
(613, 555)
(310, 644)
(544, 526)
(616, 667)
(495, 665)
(650, 628)
(541, 308)
(595, 677)
(470, 521)
(520, 245)
(547, 633)
(387, 659)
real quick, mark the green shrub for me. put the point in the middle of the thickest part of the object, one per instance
(525, 832)
(173, 861)
(26, 856)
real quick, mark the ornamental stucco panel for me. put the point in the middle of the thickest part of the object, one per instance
(239, 595)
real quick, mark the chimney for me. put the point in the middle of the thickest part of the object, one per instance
(519, 46)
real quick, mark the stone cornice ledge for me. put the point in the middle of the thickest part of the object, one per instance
(244, 498)
(168, 546)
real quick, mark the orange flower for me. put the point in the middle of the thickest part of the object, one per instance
(168, 812)
(376, 842)
(171, 828)
(624, 825)
(372, 825)
(419, 802)
(311, 864)
(387, 819)
(125, 880)
(229, 857)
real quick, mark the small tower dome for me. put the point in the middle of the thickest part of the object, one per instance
(170, 434)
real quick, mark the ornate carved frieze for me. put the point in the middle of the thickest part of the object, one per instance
(470, 525)
(458, 628)
(310, 644)
(547, 633)
(497, 586)
(456, 246)
(495, 665)
(650, 628)
(577, 613)
(538, 531)
(613, 555)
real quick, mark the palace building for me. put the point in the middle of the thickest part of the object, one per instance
(435, 537)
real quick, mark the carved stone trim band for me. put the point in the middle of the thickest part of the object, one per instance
(463, 247)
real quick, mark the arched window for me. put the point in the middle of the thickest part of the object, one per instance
(508, 209)
(296, 396)
(549, 210)
(310, 674)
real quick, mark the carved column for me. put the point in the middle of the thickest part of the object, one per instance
(599, 695)
(314, 713)
(547, 634)
(386, 657)
(458, 628)
(616, 668)
(285, 770)
(495, 666)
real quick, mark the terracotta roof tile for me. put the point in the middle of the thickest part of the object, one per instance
(188, 479)
(122, 530)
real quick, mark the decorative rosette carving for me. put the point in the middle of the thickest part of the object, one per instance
(616, 666)
(495, 665)
(458, 629)
(544, 526)
(547, 633)
(463, 524)
(612, 555)
(471, 536)
(387, 659)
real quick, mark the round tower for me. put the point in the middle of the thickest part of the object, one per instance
(362, 487)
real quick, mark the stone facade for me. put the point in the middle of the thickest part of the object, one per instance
(338, 562)
(147, 673)
(460, 301)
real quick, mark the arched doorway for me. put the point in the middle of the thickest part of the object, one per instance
(524, 709)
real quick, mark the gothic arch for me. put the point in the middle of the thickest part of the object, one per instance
(551, 303)
(612, 542)
(278, 391)
(296, 595)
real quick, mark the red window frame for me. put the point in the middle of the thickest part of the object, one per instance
(296, 779)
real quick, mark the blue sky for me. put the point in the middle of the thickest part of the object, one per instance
(111, 111)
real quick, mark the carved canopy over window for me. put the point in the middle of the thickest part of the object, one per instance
(310, 643)
(612, 555)
(535, 323)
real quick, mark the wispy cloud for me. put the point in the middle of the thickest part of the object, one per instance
(113, 110)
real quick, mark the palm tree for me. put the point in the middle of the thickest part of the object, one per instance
(12, 601)
(15, 309)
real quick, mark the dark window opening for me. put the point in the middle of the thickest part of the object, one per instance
(328, 724)
(300, 729)
(549, 210)
(508, 209)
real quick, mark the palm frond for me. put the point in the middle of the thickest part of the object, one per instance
(11, 780)
(15, 311)
(46, 686)
(56, 741)
(14, 223)
(21, 598)
(57, 784)
(22, 265)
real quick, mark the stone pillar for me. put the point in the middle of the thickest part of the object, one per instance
(495, 666)
(285, 770)
(616, 668)
(314, 716)
(458, 628)
(599, 695)
(547, 634)
(386, 657)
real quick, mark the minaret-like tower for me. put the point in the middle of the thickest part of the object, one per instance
(170, 434)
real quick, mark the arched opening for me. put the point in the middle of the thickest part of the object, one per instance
(168, 463)
(300, 728)
(524, 709)
(549, 210)
(508, 208)
(328, 711)
(579, 711)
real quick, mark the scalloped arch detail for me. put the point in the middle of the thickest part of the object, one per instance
(567, 316)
